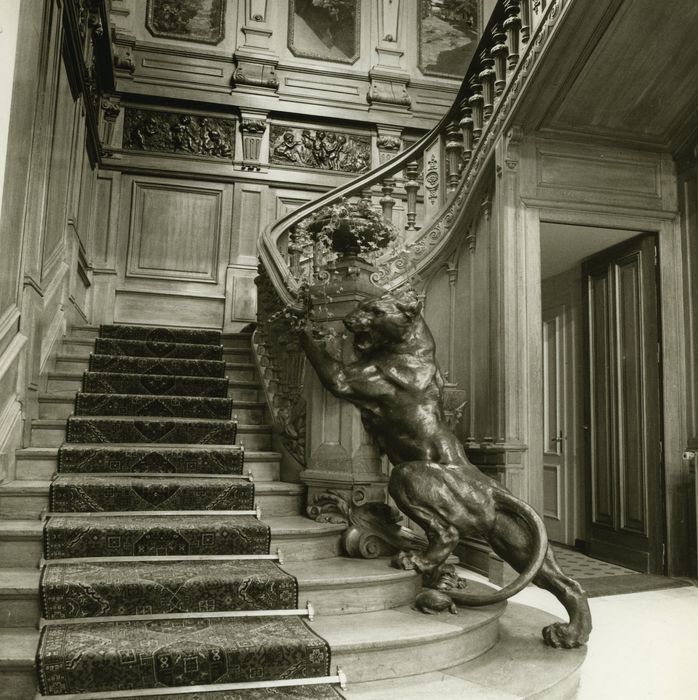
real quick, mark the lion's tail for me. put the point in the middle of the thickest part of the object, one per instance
(540, 547)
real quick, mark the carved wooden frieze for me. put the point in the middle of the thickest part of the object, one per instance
(328, 30)
(202, 21)
(169, 132)
(323, 150)
(448, 36)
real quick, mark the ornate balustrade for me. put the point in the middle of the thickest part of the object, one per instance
(442, 169)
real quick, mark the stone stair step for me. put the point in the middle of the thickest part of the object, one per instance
(156, 365)
(118, 588)
(30, 498)
(74, 493)
(126, 458)
(336, 586)
(517, 667)
(385, 644)
(152, 405)
(40, 463)
(64, 405)
(68, 383)
(71, 363)
(131, 535)
(17, 674)
(77, 345)
(299, 538)
(111, 429)
(147, 348)
(237, 340)
(241, 371)
(147, 384)
(274, 647)
(161, 334)
(83, 331)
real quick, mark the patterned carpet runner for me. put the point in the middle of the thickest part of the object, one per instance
(141, 587)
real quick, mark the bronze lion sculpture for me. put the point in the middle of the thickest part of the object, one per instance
(396, 384)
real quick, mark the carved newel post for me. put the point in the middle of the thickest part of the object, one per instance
(342, 461)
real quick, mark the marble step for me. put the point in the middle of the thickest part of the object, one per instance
(146, 348)
(28, 499)
(370, 646)
(156, 365)
(51, 432)
(299, 538)
(153, 384)
(40, 463)
(68, 383)
(89, 333)
(166, 334)
(66, 404)
(150, 430)
(88, 404)
(334, 586)
(518, 667)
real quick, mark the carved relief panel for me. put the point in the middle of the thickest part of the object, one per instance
(169, 132)
(320, 149)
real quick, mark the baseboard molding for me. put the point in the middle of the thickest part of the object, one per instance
(54, 336)
(10, 437)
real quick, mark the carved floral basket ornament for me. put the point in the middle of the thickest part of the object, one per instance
(344, 228)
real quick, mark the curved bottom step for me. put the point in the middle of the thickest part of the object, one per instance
(518, 667)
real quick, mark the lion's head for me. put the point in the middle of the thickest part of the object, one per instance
(385, 320)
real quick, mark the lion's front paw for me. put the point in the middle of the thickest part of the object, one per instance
(563, 635)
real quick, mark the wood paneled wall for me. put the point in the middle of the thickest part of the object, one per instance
(47, 217)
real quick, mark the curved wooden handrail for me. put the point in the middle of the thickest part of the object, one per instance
(487, 92)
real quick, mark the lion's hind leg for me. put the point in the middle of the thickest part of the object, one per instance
(511, 540)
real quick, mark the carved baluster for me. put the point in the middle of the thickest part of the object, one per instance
(387, 201)
(367, 194)
(487, 76)
(525, 21)
(466, 125)
(511, 26)
(499, 51)
(475, 101)
(411, 187)
(453, 161)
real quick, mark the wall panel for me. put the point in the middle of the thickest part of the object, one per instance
(175, 232)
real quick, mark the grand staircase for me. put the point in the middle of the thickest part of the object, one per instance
(132, 592)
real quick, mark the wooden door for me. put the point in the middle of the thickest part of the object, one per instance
(555, 423)
(625, 522)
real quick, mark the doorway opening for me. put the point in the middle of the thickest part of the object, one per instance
(602, 471)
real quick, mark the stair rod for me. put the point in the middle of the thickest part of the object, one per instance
(308, 611)
(166, 558)
(47, 515)
(154, 475)
(340, 679)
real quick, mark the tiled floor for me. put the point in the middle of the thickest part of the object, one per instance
(578, 565)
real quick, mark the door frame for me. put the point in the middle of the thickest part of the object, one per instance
(666, 224)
